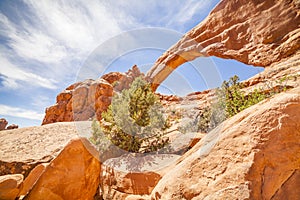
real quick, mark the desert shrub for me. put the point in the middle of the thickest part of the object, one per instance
(135, 117)
(231, 99)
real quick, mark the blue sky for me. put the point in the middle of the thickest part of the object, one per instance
(46, 45)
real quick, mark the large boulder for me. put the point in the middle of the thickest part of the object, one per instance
(24, 148)
(73, 174)
(253, 155)
(257, 32)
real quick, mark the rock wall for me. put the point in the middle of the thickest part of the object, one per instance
(255, 32)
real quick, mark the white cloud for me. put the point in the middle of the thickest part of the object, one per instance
(30, 43)
(78, 25)
(52, 38)
(14, 77)
(20, 112)
(189, 10)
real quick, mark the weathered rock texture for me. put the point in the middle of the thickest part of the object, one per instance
(23, 149)
(84, 100)
(253, 155)
(256, 32)
(73, 174)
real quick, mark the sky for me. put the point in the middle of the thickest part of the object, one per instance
(47, 45)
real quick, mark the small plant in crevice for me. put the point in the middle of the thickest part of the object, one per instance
(231, 99)
(134, 121)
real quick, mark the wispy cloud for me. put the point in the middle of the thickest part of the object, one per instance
(13, 77)
(189, 14)
(20, 112)
(52, 38)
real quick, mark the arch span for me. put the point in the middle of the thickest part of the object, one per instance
(254, 32)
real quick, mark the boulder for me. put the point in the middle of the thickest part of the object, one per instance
(10, 186)
(253, 155)
(31, 179)
(12, 126)
(73, 174)
(133, 174)
(24, 148)
(3, 124)
(179, 142)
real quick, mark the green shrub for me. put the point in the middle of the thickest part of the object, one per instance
(134, 118)
(231, 99)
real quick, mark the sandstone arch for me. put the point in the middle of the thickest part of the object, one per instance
(256, 32)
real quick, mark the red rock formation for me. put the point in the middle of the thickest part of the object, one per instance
(12, 126)
(125, 81)
(24, 148)
(10, 186)
(253, 155)
(80, 101)
(253, 32)
(3, 124)
(132, 174)
(113, 77)
(73, 174)
(31, 179)
(84, 100)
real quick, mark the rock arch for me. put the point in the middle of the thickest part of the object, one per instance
(255, 32)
